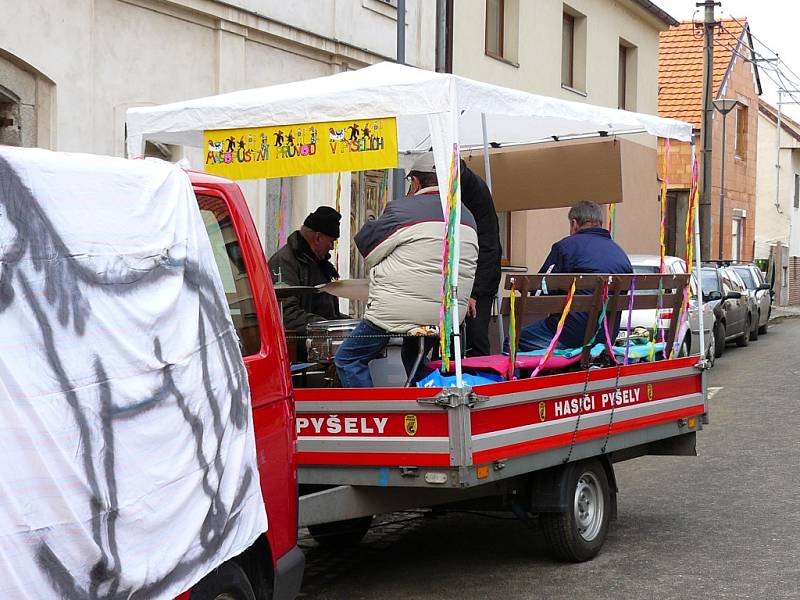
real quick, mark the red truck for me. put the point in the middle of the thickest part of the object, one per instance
(273, 566)
(541, 446)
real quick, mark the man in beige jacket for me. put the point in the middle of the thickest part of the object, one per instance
(403, 252)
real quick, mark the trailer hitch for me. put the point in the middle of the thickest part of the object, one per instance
(454, 397)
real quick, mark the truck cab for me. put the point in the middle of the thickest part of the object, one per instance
(273, 566)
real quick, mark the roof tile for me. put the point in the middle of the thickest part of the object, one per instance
(680, 66)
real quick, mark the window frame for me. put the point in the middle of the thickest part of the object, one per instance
(501, 18)
(622, 77)
(568, 20)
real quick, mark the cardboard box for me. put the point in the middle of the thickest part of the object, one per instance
(559, 174)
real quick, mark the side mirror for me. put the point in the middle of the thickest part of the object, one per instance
(763, 286)
(713, 295)
(732, 296)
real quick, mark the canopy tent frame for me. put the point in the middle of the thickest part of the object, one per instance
(444, 111)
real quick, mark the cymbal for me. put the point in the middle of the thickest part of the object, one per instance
(353, 289)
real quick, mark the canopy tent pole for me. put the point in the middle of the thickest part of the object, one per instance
(487, 168)
(486, 164)
(456, 262)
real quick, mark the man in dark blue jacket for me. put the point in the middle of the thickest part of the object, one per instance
(588, 249)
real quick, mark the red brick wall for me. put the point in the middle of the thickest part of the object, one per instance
(740, 173)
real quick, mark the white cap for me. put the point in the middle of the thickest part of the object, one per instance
(424, 163)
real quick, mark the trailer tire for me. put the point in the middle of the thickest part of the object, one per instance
(578, 534)
(340, 533)
(226, 582)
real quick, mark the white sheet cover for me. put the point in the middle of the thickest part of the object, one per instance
(128, 465)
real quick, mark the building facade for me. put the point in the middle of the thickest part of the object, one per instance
(681, 97)
(69, 69)
(778, 199)
(598, 51)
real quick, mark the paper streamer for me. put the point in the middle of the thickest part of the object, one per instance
(631, 292)
(448, 267)
(689, 254)
(512, 331)
(605, 323)
(559, 328)
(612, 220)
(662, 245)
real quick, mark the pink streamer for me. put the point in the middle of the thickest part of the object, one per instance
(605, 326)
(630, 313)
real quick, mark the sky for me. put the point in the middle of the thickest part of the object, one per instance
(773, 22)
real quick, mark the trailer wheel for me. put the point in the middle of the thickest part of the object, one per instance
(340, 533)
(578, 534)
(226, 582)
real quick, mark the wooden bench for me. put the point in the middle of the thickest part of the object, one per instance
(528, 304)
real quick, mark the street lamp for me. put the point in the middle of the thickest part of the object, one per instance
(724, 106)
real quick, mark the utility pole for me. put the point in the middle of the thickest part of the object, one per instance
(399, 175)
(706, 131)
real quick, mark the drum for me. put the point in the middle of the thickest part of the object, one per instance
(325, 337)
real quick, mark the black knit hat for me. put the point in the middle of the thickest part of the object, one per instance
(324, 220)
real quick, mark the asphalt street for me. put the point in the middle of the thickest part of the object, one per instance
(723, 525)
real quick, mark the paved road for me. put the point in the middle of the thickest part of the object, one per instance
(723, 525)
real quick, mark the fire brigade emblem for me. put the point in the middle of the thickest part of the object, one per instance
(542, 411)
(649, 391)
(411, 424)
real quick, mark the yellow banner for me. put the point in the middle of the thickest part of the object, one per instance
(304, 149)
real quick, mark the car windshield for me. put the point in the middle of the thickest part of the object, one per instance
(747, 277)
(710, 282)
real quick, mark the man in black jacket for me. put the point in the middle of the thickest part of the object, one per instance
(305, 260)
(477, 198)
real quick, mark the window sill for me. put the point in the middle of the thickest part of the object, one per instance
(502, 59)
(574, 90)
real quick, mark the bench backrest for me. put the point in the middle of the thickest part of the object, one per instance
(558, 285)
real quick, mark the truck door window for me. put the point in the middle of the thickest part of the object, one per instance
(230, 263)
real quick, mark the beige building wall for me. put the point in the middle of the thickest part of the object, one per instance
(772, 223)
(536, 43)
(83, 63)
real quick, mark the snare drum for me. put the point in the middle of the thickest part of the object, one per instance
(325, 337)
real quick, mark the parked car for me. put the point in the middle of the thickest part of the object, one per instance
(735, 310)
(647, 264)
(759, 290)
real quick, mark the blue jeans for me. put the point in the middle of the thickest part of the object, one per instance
(364, 345)
(536, 336)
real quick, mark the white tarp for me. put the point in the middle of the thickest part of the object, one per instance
(389, 90)
(128, 457)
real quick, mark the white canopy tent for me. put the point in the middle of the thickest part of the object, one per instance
(435, 110)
